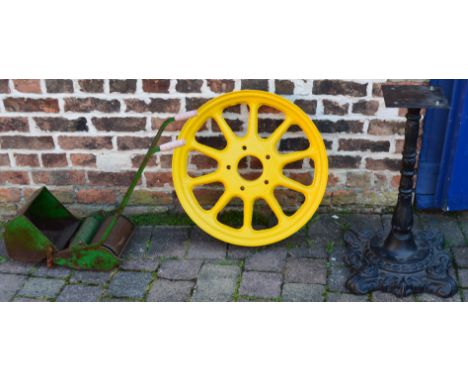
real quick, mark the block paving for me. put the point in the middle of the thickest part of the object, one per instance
(174, 263)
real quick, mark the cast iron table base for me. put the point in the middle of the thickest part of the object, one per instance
(405, 262)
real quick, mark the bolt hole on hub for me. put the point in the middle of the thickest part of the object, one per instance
(250, 157)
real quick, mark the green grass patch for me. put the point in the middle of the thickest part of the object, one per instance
(163, 218)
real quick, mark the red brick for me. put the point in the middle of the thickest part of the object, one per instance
(59, 86)
(344, 161)
(363, 145)
(83, 160)
(136, 143)
(360, 180)
(399, 143)
(221, 86)
(203, 162)
(254, 84)
(88, 104)
(175, 126)
(158, 179)
(28, 105)
(137, 159)
(59, 177)
(152, 198)
(207, 196)
(91, 86)
(4, 87)
(13, 124)
(340, 126)
(335, 108)
(284, 87)
(27, 160)
(92, 196)
(395, 182)
(4, 160)
(189, 86)
(10, 195)
(27, 86)
(61, 124)
(120, 124)
(366, 107)
(112, 179)
(155, 105)
(338, 87)
(54, 160)
(301, 177)
(383, 164)
(166, 161)
(308, 106)
(382, 127)
(14, 177)
(156, 86)
(26, 142)
(122, 86)
(85, 143)
(193, 103)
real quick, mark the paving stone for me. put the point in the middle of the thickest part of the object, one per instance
(9, 285)
(261, 284)
(55, 272)
(140, 263)
(129, 284)
(326, 227)
(203, 246)
(303, 292)
(180, 269)
(216, 282)
(346, 297)
(308, 271)
(463, 222)
(267, 260)
(390, 297)
(10, 266)
(169, 242)
(85, 293)
(170, 291)
(337, 255)
(140, 241)
(427, 297)
(463, 277)
(27, 299)
(337, 278)
(41, 287)
(461, 256)
(447, 225)
(90, 277)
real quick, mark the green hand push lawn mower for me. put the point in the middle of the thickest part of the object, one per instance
(45, 230)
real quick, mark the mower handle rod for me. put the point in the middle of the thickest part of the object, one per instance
(151, 151)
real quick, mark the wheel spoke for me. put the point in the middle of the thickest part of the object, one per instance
(248, 212)
(207, 150)
(280, 130)
(252, 128)
(212, 177)
(222, 202)
(293, 185)
(284, 159)
(276, 208)
(223, 126)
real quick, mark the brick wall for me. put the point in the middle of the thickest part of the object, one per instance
(84, 138)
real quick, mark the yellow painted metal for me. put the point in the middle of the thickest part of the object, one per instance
(235, 186)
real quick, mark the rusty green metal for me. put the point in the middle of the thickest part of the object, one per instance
(45, 229)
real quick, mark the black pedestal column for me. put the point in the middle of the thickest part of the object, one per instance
(404, 262)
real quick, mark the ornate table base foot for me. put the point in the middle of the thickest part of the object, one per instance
(375, 270)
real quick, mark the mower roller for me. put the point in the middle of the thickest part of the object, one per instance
(45, 230)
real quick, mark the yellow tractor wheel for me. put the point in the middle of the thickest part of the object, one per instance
(265, 148)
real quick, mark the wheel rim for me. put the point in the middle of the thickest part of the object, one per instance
(236, 186)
